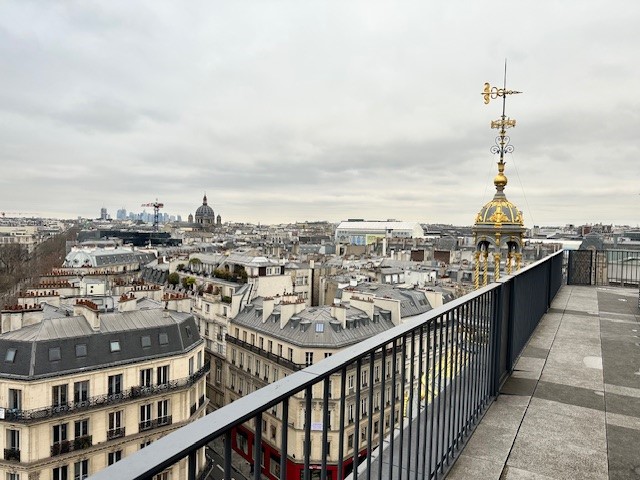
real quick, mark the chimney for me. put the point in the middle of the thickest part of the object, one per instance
(364, 304)
(289, 308)
(88, 310)
(339, 312)
(267, 308)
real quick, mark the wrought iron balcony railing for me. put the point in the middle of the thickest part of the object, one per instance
(38, 414)
(66, 446)
(155, 423)
(445, 368)
(115, 433)
(12, 454)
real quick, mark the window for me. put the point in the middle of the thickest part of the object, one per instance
(350, 412)
(13, 476)
(350, 441)
(15, 399)
(319, 327)
(59, 433)
(275, 374)
(244, 336)
(233, 356)
(163, 339)
(350, 383)
(81, 428)
(114, 346)
(363, 377)
(145, 416)
(377, 373)
(61, 473)
(253, 339)
(188, 330)
(59, 395)
(146, 377)
(163, 411)
(145, 444)
(162, 375)
(10, 356)
(13, 440)
(279, 349)
(145, 341)
(115, 420)
(291, 354)
(191, 365)
(274, 466)
(199, 360)
(81, 391)
(266, 371)
(54, 354)
(363, 407)
(261, 341)
(270, 346)
(115, 384)
(113, 457)
(308, 358)
(257, 366)
(81, 350)
(81, 470)
(218, 374)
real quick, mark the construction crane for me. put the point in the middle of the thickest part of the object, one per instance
(156, 212)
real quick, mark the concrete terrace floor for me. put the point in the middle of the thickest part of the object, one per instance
(571, 409)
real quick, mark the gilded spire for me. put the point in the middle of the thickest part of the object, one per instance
(502, 145)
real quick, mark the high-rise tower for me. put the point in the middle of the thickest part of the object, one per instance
(499, 226)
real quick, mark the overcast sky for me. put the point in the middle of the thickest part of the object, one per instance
(319, 110)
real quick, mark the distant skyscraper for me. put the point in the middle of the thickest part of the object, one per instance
(103, 213)
(122, 214)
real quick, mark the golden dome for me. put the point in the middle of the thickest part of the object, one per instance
(499, 212)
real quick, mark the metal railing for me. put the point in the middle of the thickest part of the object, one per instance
(12, 454)
(99, 401)
(66, 446)
(155, 423)
(604, 267)
(115, 433)
(439, 372)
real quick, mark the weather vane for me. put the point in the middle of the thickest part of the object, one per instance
(502, 140)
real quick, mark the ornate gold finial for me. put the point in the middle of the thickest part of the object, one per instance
(502, 145)
(491, 93)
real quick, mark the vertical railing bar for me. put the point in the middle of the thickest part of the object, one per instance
(394, 351)
(193, 463)
(427, 407)
(343, 386)
(458, 366)
(452, 385)
(370, 416)
(403, 380)
(419, 401)
(325, 429)
(227, 455)
(433, 395)
(356, 432)
(284, 439)
(383, 407)
(463, 356)
(307, 431)
(410, 409)
(468, 368)
(444, 391)
(257, 448)
(476, 383)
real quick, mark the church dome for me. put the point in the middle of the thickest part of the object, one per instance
(204, 211)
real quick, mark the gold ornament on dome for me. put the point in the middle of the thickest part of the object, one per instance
(498, 217)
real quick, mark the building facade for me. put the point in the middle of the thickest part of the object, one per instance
(80, 392)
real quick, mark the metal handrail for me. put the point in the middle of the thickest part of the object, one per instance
(466, 394)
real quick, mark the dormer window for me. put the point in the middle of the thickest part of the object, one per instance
(114, 346)
(163, 339)
(54, 354)
(81, 350)
(145, 341)
(10, 356)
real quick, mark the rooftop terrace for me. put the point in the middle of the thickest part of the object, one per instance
(571, 408)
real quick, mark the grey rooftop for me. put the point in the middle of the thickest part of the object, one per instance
(571, 408)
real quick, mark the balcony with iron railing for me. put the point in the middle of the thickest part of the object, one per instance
(12, 454)
(461, 361)
(101, 401)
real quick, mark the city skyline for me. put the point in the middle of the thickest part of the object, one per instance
(324, 111)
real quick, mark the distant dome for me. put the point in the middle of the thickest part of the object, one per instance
(204, 213)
